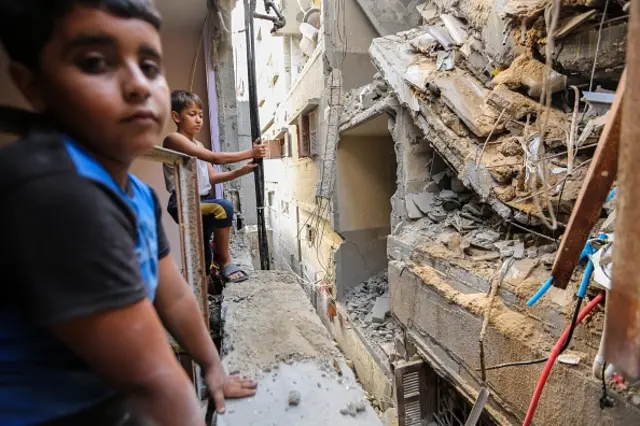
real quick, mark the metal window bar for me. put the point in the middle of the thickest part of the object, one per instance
(451, 408)
(191, 240)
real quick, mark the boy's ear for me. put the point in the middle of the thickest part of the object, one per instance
(27, 82)
(175, 117)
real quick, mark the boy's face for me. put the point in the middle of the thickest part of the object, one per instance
(101, 77)
(190, 119)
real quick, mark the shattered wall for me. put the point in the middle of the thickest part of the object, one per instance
(466, 137)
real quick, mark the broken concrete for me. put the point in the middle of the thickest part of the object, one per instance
(528, 72)
(380, 309)
(273, 333)
(576, 52)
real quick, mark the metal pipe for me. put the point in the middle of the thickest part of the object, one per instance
(249, 11)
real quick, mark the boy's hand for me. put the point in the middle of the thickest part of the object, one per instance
(248, 168)
(222, 386)
(259, 150)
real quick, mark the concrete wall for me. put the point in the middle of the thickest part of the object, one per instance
(347, 46)
(366, 181)
(414, 156)
(366, 175)
(450, 332)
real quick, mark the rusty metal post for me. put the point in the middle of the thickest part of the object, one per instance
(191, 239)
(622, 340)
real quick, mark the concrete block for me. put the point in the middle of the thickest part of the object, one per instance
(424, 201)
(380, 309)
(576, 51)
(412, 210)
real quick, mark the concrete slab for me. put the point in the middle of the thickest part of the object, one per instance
(272, 333)
(322, 396)
(380, 309)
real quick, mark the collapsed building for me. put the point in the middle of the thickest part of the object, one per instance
(421, 201)
(482, 200)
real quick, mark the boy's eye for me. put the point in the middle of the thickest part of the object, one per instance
(150, 69)
(93, 64)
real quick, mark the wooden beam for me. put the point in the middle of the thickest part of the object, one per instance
(622, 338)
(594, 191)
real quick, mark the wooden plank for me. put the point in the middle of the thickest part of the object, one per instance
(622, 338)
(594, 191)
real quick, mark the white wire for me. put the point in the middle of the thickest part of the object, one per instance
(195, 59)
(595, 58)
(552, 13)
(301, 8)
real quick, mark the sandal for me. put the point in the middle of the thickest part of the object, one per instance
(232, 269)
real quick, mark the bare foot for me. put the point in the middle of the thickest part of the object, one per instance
(239, 387)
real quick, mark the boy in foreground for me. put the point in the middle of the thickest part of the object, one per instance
(89, 285)
(217, 213)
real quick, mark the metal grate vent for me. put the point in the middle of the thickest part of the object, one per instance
(410, 383)
(425, 398)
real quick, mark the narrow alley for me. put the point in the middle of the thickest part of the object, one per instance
(420, 195)
(447, 206)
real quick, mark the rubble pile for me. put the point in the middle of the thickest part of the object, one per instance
(365, 102)
(368, 308)
(450, 214)
(472, 76)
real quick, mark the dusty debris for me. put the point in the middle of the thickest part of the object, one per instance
(576, 52)
(455, 27)
(573, 22)
(361, 303)
(353, 411)
(390, 417)
(272, 324)
(294, 398)
(528, 72)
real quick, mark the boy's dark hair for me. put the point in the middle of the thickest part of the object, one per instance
(181, 99)
(27, 25)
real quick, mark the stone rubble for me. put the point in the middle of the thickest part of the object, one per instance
(472, 77)
(368, 308)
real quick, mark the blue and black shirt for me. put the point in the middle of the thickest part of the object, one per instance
(72, 243)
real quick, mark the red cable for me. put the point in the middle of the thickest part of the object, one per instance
(552, 359)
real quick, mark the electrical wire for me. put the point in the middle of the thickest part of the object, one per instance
(552, 14)
(302, 9)
(573, 132)
(225, 28)
(486, 142)
(605, 400)
(567, 341)
(595, 57)
(535, 399)
(195, 59)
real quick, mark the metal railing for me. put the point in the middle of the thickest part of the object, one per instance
(191, 239)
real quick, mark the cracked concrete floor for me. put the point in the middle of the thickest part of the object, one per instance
(272, 333)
